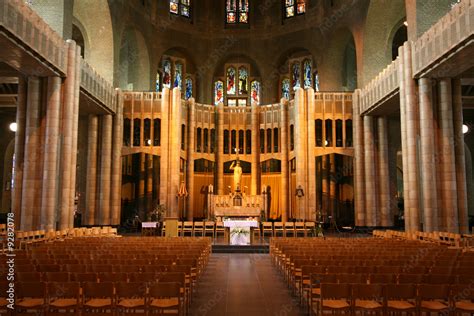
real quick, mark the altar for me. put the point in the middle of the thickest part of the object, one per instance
(236, 205)
(240, 231)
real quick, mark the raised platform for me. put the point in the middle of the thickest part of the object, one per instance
(262, 249)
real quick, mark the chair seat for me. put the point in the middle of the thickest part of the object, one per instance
(465, 305)
(368, 304)
(64, 302)
(400, 305)
(306, 282)
(316, 291)
(434, 305)
(98, 302)
(165, 302)
(335, 304)
(30, 302)
(131, 302)
(3, 302)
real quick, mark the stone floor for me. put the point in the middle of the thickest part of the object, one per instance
(243, 284)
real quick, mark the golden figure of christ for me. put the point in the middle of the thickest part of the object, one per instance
(235, 166)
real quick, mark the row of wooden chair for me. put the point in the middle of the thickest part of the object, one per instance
(441, 238)
(74, 298)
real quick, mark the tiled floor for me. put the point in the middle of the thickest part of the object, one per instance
(243, 284)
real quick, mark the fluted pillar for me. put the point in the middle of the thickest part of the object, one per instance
(19, 149)
(66, 136)
(359, 172)
(116, 185)
(105, 169)
(49, 181)
(383, 173)
(190, 158)
(284, 191)
(301, 152)
(174, 152)
(411, 115)
(32, 143)
(311, 207)
(165, 105)
(255, 155)
(448, 170)
(369, 159)
(460, 157)
(91, 188)
(428, 153)
(220, 149)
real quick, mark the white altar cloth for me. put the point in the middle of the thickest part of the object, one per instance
(149, 224)
(240, 231)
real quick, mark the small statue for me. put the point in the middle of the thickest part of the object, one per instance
(235, 166)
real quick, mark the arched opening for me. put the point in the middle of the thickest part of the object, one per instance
(400, 37)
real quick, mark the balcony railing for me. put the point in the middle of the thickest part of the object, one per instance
(20, 21)
(97, 87)
(451, 31)
(380, 88)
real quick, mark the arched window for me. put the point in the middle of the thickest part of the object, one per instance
(158, 82)
(178, 76)
(294, 7)
(189, 88)
(237, 12)
(285, 88)
(295, 75)
(181, 7)
(231, 80)
(316, 81)
(218, 92)
(166, 74)
(255, 91)
(243, 80)
(307, 76)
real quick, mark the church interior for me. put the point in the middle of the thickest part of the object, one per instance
(229, 157)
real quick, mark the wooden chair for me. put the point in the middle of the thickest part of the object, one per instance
(368, 298)
(30, 296)
(309, 228)
(462, 299)
(131, 297)
(165, 298)
(433, 298)
(188, 227)
(401, 298)
(300, 229)
(209, 227)
(288, 228)
(63, 298)
(98, 298)
(315, 289)
(220, 229)
(335, 298)
(278, 228)
(198, 229)
(267, 227)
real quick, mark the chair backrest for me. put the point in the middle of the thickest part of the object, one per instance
(368, 291)
(164, 289)
(433, 291)
(267, 225)
(335, 291)
(289, 225)
(64, 289)
(278, 225)
(400, 292)
(98, 290)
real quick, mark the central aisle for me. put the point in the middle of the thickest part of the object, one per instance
(243, 284)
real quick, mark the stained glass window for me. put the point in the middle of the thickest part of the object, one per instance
(285, 88)
(218, 92)
(307, 78)
(243, 80)
(237, 11)
(178, 75)
(158, 82)
(189, 88)
(316, 81)
(295, 75)
(166, 74)
(231, 80)
(181, 7)
(255, 91)
(294, 7)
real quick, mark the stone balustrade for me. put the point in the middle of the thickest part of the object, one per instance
(380, 88)
(97, 87)
(22, 22)
(451, 31)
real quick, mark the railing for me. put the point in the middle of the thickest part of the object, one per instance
(385, 84)
(450, 31)
(23, 23)
(97, 87)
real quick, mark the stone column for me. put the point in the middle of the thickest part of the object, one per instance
(255, 153)
(32, 143)
(383, 174)
(301, 152)
(67, 135)
(285, 198)
(311, 208)
(369, 159)
(105, 169)
(325, 201)
(174, 152)
(428, 152)
(411, 117)
(190, 158)
(460, 158)
(220, 149)
(448, 184)
(19, 149)
(164, 168)
(49, 181)
(91, 189)
(116, 184)
(332, 186)
(359, 172)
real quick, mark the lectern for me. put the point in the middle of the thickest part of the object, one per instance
(171, 227)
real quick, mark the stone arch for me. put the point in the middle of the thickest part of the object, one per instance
(382, 17)
(134, 61)
(79, 34)
(99, 34)
(338, 70)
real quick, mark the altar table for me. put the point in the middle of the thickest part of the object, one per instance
(240, 231)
